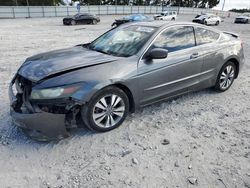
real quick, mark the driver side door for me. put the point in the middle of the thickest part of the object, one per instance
(163, 78)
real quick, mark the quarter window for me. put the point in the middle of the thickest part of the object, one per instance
(204, 36)
(175, 39)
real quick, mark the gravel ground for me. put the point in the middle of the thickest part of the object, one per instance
(201, 138)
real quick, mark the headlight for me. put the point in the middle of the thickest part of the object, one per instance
(52, 93)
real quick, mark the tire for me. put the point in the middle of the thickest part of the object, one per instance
(205, 22)
(94, 22)
(173, 19)
(73, 22)
(217, 23)
(102, 117)
(225, 77)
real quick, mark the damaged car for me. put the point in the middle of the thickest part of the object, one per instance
(97, 84)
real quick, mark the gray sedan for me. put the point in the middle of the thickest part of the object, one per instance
(99, 83)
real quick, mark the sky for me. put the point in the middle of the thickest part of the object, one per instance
(229, 4)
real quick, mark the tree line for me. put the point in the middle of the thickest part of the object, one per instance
(182, 3)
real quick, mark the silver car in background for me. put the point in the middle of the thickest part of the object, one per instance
(126, 68)
(244, 18)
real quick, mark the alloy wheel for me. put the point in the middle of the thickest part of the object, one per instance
(108, 111)
(227, 77)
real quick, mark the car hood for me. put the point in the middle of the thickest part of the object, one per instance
(48, 64)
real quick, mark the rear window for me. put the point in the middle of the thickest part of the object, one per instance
(205, 36)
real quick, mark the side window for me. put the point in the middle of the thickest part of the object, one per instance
(204, 36)
(174, 39)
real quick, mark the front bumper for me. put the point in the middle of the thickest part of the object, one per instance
(66, 22)
(41, 125)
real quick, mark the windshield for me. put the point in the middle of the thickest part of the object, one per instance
(122, 42)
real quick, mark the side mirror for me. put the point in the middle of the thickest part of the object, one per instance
(157, 53)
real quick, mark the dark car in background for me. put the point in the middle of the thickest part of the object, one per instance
(131, 18)
(131, 66)
(244, 18)
(82, 18)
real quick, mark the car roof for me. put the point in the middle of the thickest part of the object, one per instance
(159, 24)
(164, 24)
(82, 14)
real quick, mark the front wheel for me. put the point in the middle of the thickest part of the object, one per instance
(94, 22)
(73, 22)
(106, 110)
(226, 77)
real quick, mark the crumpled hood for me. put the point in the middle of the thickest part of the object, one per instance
(43, 65)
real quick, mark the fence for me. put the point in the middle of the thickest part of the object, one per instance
(56, 11)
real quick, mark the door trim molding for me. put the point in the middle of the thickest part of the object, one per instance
(179, 80)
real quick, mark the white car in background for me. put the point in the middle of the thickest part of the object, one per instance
(207, 19)
(166, 15)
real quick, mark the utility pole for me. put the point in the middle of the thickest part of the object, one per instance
(27, 2)
(223, 5)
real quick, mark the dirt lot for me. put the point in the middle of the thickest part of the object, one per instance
(209, 133)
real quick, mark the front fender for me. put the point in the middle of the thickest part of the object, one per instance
(88, 90)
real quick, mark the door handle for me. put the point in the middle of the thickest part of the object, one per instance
(194, 55)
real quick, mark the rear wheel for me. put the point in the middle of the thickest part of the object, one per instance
(217, 23)
(226, 77)
(106, 110)
(73, 22)
(205, 22)
(173, 19)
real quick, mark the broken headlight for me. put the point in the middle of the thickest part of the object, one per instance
(53, 93)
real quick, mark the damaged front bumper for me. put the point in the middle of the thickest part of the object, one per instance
(41, 126)
(38, 124)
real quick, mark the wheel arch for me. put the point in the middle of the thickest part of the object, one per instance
(129, 94)
(237, 64)
(86, 94)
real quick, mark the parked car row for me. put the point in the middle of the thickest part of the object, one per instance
(87, 18)
(203, 18)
